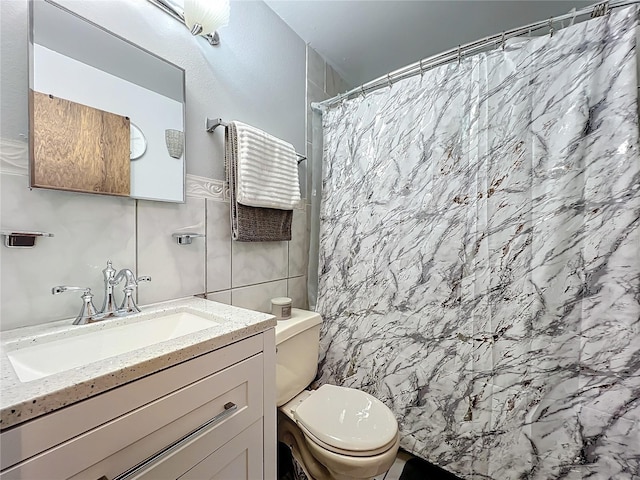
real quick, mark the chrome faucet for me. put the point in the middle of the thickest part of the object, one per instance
(89, 313)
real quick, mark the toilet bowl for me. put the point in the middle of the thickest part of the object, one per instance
(334, 432)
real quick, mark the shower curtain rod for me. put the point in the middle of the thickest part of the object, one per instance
(456, 54)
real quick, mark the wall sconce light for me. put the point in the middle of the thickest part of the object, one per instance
(202, 17)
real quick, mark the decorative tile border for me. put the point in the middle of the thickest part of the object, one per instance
(14, 156)
(213, 189)
(14, 159)
(208, 188)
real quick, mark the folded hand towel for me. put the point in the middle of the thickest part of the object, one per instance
(252, 224)
(267, 174)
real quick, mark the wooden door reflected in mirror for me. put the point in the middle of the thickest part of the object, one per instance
(78, 148)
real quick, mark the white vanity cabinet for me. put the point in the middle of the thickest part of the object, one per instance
(211, 417)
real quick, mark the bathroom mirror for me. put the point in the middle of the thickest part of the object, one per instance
(85, 68)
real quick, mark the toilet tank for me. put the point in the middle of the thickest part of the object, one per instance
(297, 346)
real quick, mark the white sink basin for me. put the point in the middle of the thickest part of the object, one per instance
(47, 358)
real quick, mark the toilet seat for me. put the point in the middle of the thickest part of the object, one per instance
(350, 453)
(347, 421)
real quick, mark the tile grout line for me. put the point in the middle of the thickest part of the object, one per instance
(206, 247)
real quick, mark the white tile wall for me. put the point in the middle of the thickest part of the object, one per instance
(323, 82)
(260, 272)
(298, 251)
(258, 297)
(218, 246)
(88, 229)
(334, 84)
(222, 297)
(176, 270)
(258, 262)
(314, 94)
(315, 67)
(302, 178)
(297, 291)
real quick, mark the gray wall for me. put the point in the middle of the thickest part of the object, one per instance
(256, 75)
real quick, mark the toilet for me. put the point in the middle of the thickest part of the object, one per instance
(334, 432)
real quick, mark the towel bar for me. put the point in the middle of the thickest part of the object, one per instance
(213, 123)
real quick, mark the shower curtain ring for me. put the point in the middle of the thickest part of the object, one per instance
(421, 69)
(459, 54)
(364, 94)
(502, 42)
(600, 9)
(551, 26)
(389, 80)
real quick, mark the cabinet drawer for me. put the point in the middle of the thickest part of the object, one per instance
(149, 429)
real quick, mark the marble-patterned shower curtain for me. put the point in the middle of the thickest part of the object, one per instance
(480, 256)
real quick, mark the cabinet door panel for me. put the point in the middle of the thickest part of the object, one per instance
(240, 459)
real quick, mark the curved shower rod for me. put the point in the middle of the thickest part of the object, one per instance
(457, 53)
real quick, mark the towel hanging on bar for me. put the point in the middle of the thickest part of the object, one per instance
(266, 170)
(251, 224)
(213, 123)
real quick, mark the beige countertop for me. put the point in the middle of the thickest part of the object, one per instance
(22, 401)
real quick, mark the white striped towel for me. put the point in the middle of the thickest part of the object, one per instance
(267, 174)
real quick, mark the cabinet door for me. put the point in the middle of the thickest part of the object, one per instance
(238, 459)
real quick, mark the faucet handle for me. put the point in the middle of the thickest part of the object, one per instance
(128, 303)
(88, 312)
(65, 288)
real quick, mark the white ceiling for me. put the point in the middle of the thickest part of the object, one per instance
(365, 39)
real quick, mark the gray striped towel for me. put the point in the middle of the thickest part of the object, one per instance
(251, 224)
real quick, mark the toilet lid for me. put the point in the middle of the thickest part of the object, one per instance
(347, 419)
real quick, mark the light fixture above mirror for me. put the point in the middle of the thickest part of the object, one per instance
(201, 17)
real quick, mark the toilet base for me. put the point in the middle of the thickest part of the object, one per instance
(321, 464)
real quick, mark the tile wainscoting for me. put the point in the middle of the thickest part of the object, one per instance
(136, 234)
